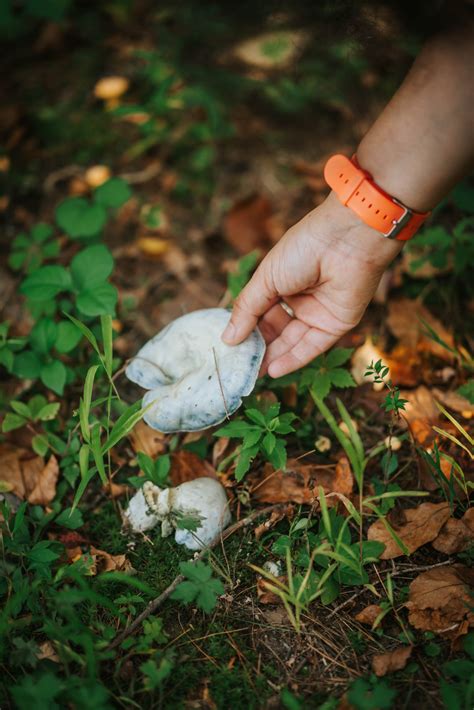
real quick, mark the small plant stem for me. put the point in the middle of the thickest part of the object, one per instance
(158, 601)
(220, 383)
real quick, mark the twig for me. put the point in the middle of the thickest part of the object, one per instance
(158, 601)
(220, 384)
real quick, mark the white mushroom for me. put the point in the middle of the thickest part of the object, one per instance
(201, 502)
(194, 379)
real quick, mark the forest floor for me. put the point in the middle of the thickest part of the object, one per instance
(210, 150)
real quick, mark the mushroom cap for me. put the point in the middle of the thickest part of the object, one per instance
(111, 87)
(194, 379)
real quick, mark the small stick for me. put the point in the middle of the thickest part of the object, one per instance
(158, 601)
(220, 384)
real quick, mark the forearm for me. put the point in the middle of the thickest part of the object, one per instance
(423, 142)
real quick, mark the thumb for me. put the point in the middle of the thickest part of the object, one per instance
(256, 298)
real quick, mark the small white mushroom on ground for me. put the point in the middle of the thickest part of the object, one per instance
(194, 379)
(202, 503)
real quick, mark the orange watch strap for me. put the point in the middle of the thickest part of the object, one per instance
(357, 190)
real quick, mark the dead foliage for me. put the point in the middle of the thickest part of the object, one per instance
(247, 225)
(144, 438)
(392, 661)
(418, 526)
(405, 320)
(27, 475)
(300, 482)
(369, 614)
(456, 535)
(440, 600)
(186, 466)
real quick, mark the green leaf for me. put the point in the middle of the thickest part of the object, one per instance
(80, 218)
(41, 552)
(255, 416)
(46, 282)
(124, 425)
(467, 390)
(278, 456)
(12, 421)
(86, 332)
(246, 457)
(40, 444)
(146, 463)
(48, 412)
(21, 408)
(342, 378)
(269, 442)
(68, 336)
(69, 518)
(99, 301)
(338, 356)
(6, 358)
(85, 403)
(91, 267)
(236, 429)
(321, 384)
(200, 586)
(53, 376)
(41, 232)
(27, 365)
(43, 335)
(113, 193)
(107, 339)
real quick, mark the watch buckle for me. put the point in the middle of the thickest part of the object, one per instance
(400, 223)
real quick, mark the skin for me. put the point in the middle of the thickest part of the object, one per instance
(328, 265)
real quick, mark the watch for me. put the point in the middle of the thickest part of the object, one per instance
(357, 190)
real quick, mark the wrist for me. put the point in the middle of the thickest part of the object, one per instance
(349, 235)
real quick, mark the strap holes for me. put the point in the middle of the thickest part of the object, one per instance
(346, 181)
(357, 193)
(341, 175)
(385, 216)
(370, 206)
(363, 199)
(377, 211)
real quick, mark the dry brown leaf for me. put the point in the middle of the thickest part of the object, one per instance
(404, 320)
(421, 525)
(440, 600)
(186, 466)
(45, 487)
(144, 438)
(104, 562)
(27, 476)
(247, 224)
(47, 652)
(456, 535)
(392, 661)
(421, 413)
(368, 615)
(264, 594)
(274, 518)
(300, 482)
(454, 401)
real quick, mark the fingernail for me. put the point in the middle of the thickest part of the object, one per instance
(229, 333)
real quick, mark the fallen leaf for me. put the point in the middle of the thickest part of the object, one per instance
(116, 489)
(368, 615)
(144, 438)
(186, 466)
(300, 482)
(421, 414)
(104, 562)
(454, 401)
(274, 518)
(421, 525)
(47, 652)
(264, 594)
(45, 487)
(392, 661)
(247, 227)
(27, 476)
(405, 318)
(456, 535)
(440, 600)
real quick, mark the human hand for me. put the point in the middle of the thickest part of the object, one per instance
(326, 269)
